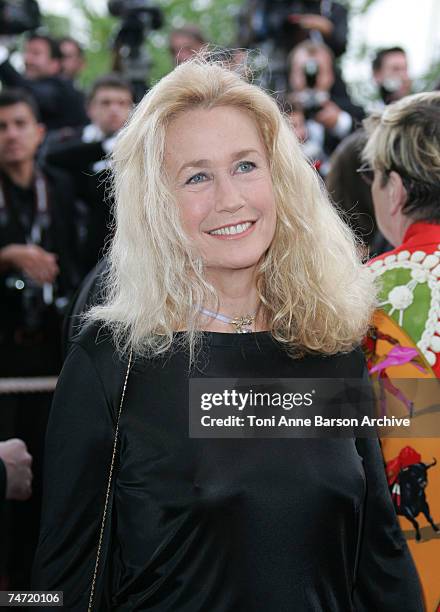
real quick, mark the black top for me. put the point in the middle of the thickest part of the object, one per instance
(212, 525)
(79, 159)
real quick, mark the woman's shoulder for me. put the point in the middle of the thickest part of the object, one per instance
(93, 336)
(350, 364)
(95, 342)
(93, 364)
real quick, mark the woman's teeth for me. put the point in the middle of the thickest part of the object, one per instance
(232, 229)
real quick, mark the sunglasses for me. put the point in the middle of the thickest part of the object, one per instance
(366, 173)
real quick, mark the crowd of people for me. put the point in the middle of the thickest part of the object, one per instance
(380, 165)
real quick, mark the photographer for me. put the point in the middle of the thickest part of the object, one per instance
(59, 103)
(37, 276)
(317, 88)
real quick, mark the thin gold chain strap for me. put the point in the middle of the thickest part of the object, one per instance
(107, 495)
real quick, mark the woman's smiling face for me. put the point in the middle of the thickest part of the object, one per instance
(219, 173)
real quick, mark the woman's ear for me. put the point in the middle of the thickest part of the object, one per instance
(397, 193)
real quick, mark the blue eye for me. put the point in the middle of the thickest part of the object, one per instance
(246, 166)
(196, 179)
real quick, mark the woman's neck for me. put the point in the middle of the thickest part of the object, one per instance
(238, 297)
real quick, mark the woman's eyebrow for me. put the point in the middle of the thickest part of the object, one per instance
(195, 163)
(206, 163)
(245, 152)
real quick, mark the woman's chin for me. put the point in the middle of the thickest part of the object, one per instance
(232, 266)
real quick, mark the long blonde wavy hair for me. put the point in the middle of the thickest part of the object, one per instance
(316, 293)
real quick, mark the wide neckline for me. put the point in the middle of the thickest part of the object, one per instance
(228, 339)
(254, 342)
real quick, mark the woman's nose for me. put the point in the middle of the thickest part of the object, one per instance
(228, 196)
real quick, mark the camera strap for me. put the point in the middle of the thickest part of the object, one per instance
(41, 219)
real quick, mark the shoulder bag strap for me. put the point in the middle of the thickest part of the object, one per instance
(107, 495)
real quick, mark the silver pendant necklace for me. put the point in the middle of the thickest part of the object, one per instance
(241, 325)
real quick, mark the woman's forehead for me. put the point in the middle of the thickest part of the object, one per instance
(200, 128)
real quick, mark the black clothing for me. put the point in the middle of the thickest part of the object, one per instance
(89, 293)
(24, 416)
(85, 161)
(24, 308)
(218, 525)
(2, 505)
(340, 96)
(75, 154)
(2, 483)
(59, 102)
(30, 345)
(338, 15)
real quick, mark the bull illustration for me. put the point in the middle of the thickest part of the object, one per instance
(408, 493)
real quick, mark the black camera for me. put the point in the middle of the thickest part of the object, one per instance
(311, 99)
(18, 16)
(29, 301)
(139, 17)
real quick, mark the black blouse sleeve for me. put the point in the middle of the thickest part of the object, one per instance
(386, 575)
(78, 452)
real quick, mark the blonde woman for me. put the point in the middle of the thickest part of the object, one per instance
(221, 227)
